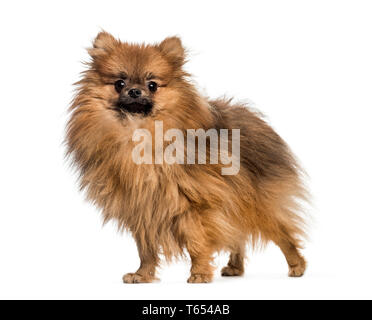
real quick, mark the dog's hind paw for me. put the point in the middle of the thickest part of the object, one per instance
(297, 270)
(231, 272)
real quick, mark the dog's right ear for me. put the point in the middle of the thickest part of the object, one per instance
(102, 44)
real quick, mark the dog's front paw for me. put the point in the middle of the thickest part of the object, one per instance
(136, 278)
(200, 278)
(229, 271)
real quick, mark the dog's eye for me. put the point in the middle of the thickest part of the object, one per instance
(119, 85)
(153, 86)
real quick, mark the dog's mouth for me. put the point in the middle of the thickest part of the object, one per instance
(135, 107)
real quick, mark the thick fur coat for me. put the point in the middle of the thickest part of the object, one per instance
(169, 208)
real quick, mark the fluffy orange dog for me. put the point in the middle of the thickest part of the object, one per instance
(172, 207)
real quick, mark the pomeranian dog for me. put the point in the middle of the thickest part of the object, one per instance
(173, 207)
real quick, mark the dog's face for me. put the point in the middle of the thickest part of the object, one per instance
(134, 79)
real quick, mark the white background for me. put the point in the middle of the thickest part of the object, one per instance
(306, 64)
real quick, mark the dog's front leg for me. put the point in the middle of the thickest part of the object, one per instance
(149, 262)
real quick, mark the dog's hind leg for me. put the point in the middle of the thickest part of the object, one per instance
(235, 266)
(296, 262)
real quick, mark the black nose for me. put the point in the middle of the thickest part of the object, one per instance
(134, 93)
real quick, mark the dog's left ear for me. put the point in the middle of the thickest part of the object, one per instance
(172, 48)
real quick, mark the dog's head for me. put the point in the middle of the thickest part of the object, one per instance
(131, 78)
